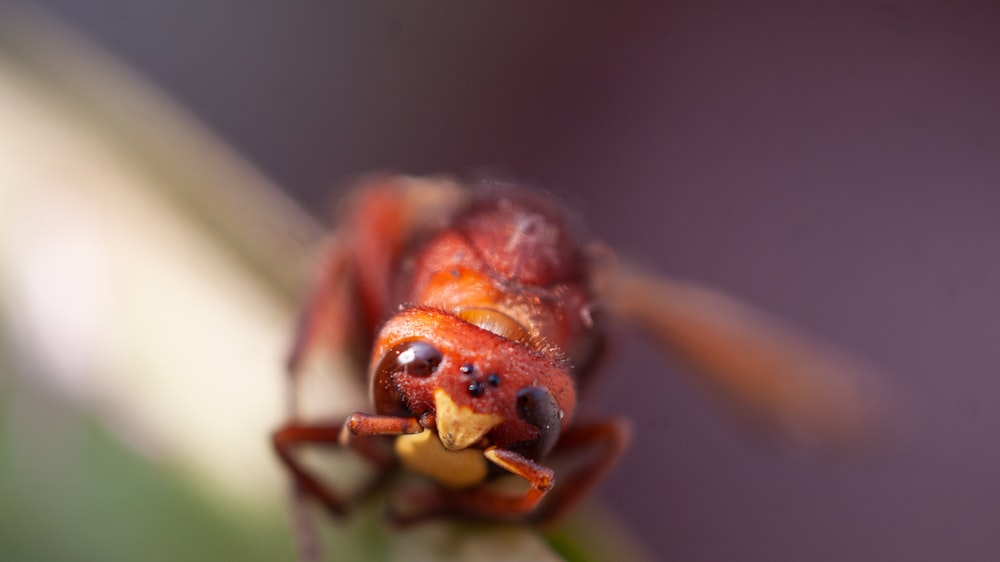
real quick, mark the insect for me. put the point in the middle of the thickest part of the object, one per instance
(483, 312)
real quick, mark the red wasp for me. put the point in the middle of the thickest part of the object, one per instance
(484, 311)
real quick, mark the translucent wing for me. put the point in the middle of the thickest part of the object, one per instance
(806, 390)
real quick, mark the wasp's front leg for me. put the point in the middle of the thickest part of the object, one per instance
(602, 443)
(357, 433)
(483, 502)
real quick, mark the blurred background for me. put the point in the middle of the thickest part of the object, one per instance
(835, 163)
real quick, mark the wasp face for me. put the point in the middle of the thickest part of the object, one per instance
(461, 426)
(472, 387)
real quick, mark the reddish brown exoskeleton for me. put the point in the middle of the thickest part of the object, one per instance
(483, 311)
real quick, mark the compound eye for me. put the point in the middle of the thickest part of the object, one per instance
(537, 406)
(418, 358)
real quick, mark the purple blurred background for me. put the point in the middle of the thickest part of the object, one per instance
(836, 163)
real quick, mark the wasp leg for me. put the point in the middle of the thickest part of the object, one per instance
(292, 435)
(483, 502)
(358, 433)
(606, 440)
(326, 320)
(307, 543)
(355, 433)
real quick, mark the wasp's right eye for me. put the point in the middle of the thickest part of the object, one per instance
(417, 358)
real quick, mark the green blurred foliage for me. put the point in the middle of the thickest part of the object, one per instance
(71, 491)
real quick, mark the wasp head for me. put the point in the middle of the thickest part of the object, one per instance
(470, 385)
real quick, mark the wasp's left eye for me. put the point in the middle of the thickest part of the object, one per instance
(537, 406)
